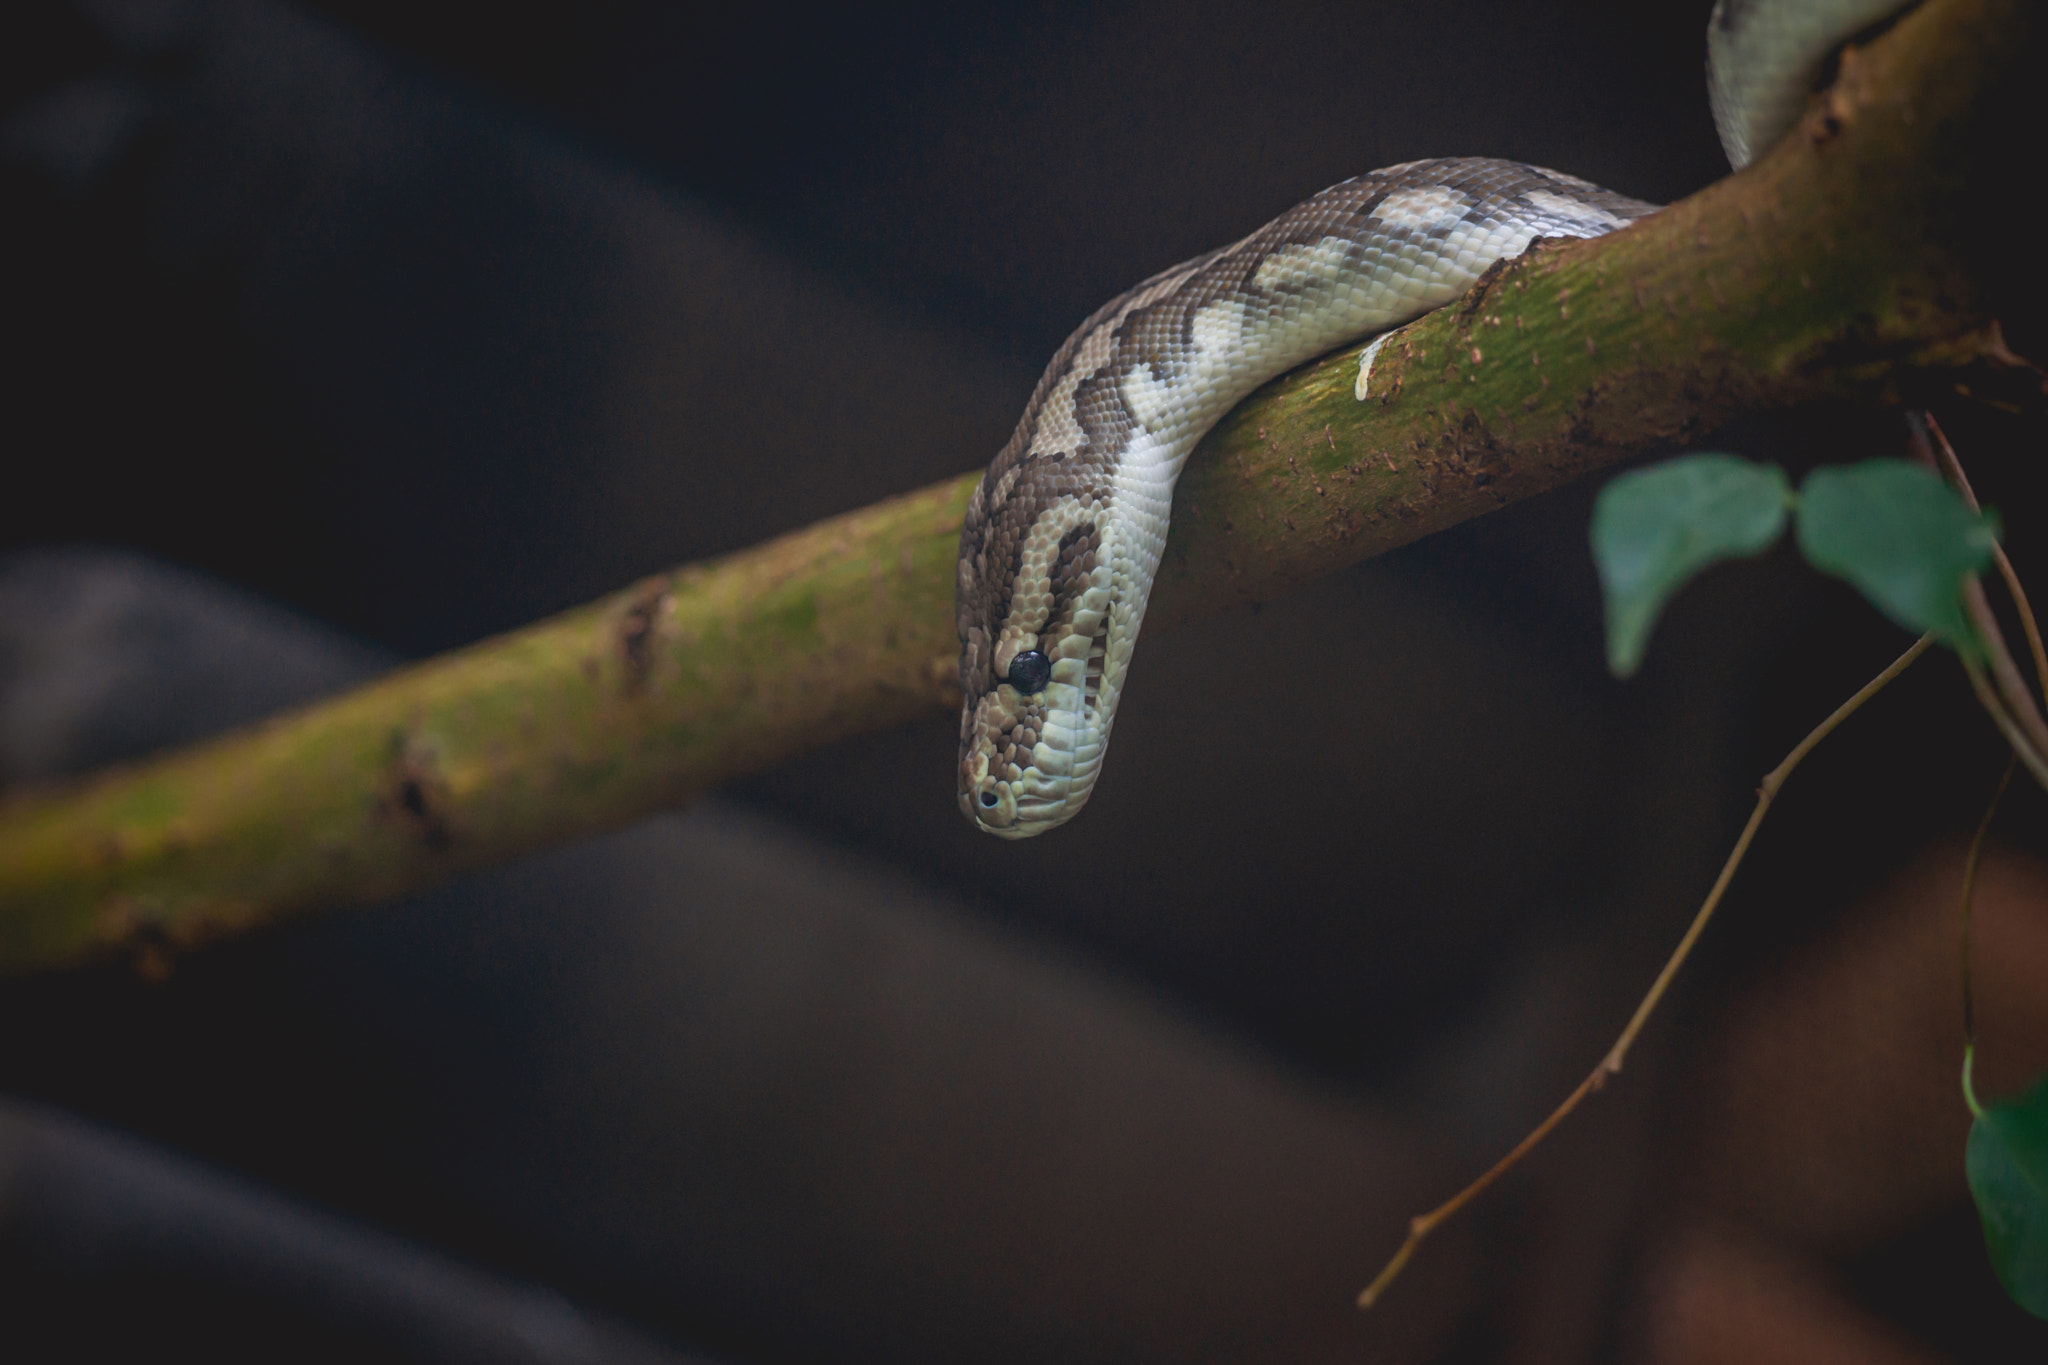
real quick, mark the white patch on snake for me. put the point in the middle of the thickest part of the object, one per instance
(1059, 429)
(1151, 396)
(1437, 206)
(1031, 593)
(1165, 404)
(1572, 208)
(1306, 264)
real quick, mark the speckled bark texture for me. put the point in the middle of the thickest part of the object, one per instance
(1845, 264)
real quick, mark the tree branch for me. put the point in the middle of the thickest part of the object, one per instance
(1843, 265)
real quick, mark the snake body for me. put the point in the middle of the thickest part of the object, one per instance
(1064, 533)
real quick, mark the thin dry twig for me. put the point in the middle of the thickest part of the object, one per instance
(1421, 1226)
(2019, 706)
(1987, 696)
(1952, 466)
(2009, 704)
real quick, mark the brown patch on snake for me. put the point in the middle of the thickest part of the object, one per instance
(1000, 517)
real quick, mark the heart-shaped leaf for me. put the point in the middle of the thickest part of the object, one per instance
(1654, 528)
(2007, 1164)
(1903, 538)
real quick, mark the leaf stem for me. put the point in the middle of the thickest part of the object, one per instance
(1969, 893)
(2014, 736)
(1423, 1224)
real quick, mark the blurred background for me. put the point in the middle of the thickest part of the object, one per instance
(351, 332)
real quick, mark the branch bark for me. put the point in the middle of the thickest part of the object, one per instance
(1843, 265)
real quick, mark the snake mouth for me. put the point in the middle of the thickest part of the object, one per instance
(1091, 682)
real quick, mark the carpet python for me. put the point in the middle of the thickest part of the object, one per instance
(1064, 532)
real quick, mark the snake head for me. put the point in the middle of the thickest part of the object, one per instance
(1034, 610)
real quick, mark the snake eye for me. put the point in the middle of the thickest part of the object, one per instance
(1030, 672)
(989, 798)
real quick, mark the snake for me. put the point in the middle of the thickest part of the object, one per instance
(1063, 534)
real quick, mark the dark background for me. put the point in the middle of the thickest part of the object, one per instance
(355, 332)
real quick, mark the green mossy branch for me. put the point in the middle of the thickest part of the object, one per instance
(1839, 266)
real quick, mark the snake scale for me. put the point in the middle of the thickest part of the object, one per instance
(1064, 533)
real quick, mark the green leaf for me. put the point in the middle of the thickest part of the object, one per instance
(2007, 1163)
(1655, 528)
(1903, 538)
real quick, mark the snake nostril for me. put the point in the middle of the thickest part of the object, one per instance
(988, 799)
